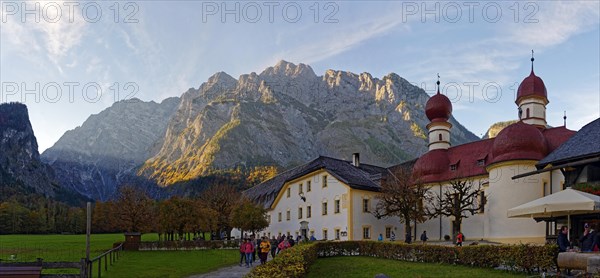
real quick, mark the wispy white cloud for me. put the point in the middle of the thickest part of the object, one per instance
(558, 21)
(342, 39)
(51, 38)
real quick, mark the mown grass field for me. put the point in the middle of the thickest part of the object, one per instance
(350, 267)
(172, 264)
(54, 248)
(27, 248)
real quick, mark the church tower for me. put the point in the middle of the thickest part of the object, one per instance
(532, 99)
(438, 110)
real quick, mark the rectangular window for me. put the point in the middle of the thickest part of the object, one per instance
(300, 188)
(279, 217)
(299, 213)
(366, 232)
(481, 162)
(308, 211)
(325, 181)
(546, 189)
(289, 192)
(482, 200)
(288, 215)
(366, 205)
(453, 167)
(324, 208)
(337, 234)
(388, 232)
(308, 185)
(325, 234)
(336, 206)
(269, 218)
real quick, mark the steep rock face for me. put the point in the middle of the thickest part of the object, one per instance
(20, 164)
(104, 151)
(496, 128)
(287, 115)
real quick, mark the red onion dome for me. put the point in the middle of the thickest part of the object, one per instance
(532, 85)
(438, 108)
(519, 141)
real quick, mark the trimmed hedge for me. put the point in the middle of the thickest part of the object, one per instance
(295, 261)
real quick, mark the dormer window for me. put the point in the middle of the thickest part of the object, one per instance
(481, 162)
(454, 164)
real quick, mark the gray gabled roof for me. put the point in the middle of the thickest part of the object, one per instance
(584, 144)
(365, 177)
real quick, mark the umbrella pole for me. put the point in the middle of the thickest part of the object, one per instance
(569, 224)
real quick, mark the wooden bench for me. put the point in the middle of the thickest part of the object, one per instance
(20, 271)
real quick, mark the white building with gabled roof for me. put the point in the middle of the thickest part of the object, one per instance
(327, 198)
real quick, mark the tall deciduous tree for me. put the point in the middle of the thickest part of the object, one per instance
(222, 198)
(134, 210)
(248, 216)
(401, 196)
(459, 200)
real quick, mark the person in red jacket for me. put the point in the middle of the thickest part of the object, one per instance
(459, 239)
(248, 250)
(242, 251)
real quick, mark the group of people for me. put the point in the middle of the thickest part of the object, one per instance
(589, 241)
(250, 246)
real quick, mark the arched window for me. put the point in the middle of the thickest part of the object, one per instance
(440, 137)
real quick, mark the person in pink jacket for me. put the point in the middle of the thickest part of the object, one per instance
(248, 250)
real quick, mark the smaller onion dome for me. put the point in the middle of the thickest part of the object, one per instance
(438, 108)
(519, 141)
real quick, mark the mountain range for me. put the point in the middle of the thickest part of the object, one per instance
(282, 117)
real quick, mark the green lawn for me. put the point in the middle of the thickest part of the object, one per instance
(170, 263)
(54, 248)
(57, 247)
(349, 267)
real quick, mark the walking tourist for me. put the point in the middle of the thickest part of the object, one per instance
(242, 250)
(273, 247)
(249, 250)
(265, 247)
(459, 239)
(283, 245)
(424, 237)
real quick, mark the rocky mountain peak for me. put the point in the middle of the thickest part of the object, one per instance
(284, 68)
(14, 116)
(95, 158)
(19, 156)
(221, 79)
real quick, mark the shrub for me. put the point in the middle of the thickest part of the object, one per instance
(523, 257)
(293, 262)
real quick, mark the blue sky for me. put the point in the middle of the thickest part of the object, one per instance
(156, 49)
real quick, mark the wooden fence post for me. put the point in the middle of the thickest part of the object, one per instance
(82, 268)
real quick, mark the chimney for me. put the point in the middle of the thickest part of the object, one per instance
(356, 159)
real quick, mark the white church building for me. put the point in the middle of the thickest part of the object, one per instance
(332, 199)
